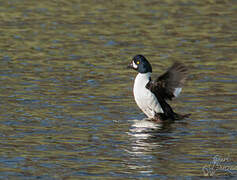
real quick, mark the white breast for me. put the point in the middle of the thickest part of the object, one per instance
(144, 98)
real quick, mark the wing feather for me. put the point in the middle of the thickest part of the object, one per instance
(169, 84)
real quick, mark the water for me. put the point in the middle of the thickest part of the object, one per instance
(67, 109)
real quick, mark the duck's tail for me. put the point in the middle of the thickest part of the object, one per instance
(180, 116)
(161, 117)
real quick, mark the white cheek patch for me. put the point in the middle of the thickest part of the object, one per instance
(177, 91)
(134, 65)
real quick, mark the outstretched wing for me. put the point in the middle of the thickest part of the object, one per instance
(169, 84)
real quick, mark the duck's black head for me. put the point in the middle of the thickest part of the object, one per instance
(140, 64)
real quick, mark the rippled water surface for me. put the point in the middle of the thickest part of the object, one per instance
(67, 109)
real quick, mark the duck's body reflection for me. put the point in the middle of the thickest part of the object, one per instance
(147, 140)
(148, 128)
(146, 136)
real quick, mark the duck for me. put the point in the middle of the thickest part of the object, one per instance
(151, 96)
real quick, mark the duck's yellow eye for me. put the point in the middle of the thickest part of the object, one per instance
(138, 62)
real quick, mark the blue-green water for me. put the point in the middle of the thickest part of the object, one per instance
(66, 106)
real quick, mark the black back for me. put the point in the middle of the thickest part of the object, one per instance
(164, 87)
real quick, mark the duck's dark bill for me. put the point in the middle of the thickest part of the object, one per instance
(130, 66)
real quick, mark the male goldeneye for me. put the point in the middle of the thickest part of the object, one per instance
(151, 96)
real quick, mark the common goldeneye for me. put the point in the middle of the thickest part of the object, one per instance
(151, 95)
